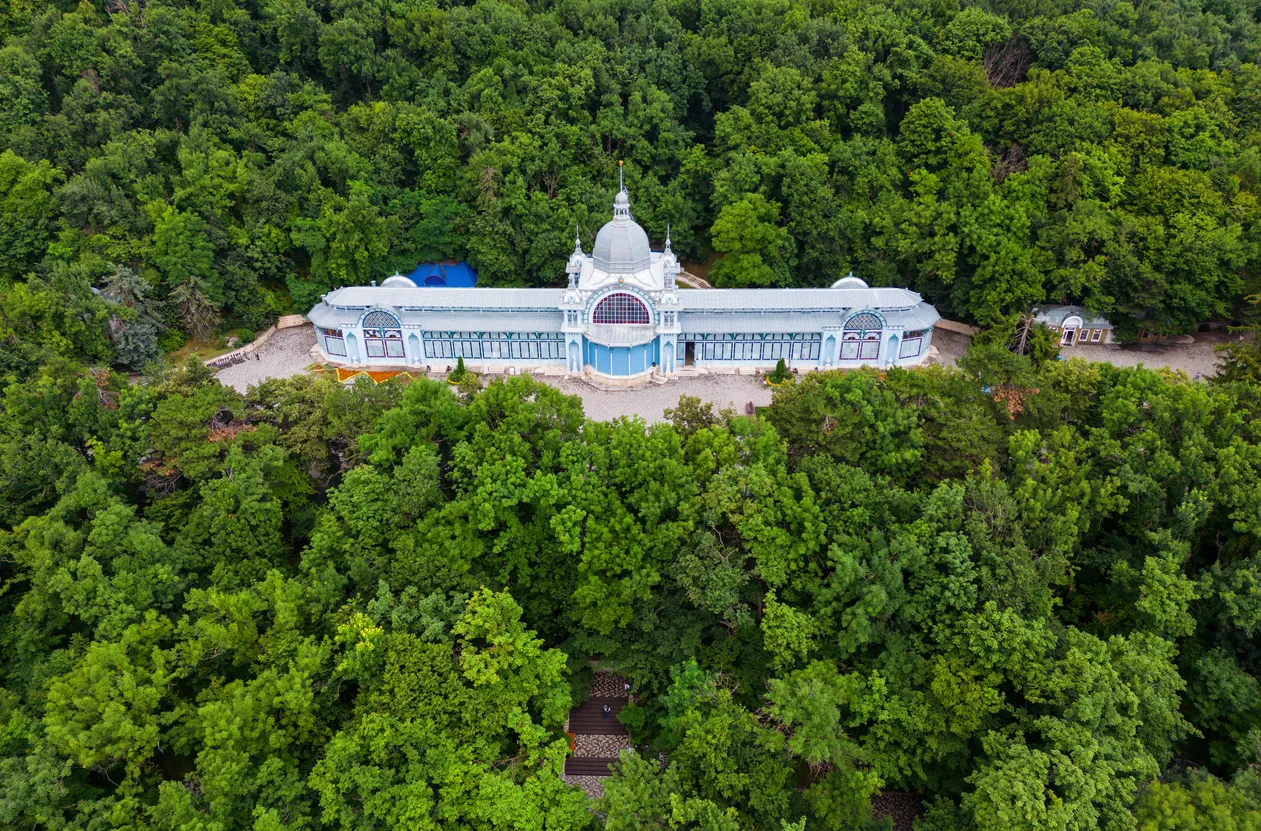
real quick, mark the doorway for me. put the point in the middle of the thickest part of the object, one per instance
(1069, 337)
(689, 353)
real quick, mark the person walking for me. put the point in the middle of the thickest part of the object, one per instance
(607, 711)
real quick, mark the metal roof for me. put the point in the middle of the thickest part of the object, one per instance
(922, 316)
(323, 315)
(713, 310)
(488, 321)
(804, 299)
(707, 323)
(1055, 316)
(433, 297)
(621, 246)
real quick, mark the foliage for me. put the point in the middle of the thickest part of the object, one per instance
(883, 582)
(1024, 590)
(243, 158)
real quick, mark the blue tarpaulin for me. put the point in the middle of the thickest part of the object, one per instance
(449, 275)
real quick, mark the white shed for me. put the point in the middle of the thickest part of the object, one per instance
(1075, 325)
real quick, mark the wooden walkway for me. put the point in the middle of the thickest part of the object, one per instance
(588, 718)
(599, 737)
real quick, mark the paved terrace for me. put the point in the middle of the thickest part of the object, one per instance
(288, 353)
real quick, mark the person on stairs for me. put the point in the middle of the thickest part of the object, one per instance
(607, 711)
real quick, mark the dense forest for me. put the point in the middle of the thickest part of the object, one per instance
(1026, 591)
(212, 163)
(1032, 603)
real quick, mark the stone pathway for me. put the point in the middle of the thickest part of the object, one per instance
(597, 740)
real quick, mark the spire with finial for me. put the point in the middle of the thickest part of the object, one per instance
(575, 259)
(667, 237)
(621, 202)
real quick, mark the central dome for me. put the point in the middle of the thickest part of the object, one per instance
(621, 247)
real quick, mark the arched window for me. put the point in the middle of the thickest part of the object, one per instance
(863, 322)
(621, 309)
(382, 335)
(861, 339)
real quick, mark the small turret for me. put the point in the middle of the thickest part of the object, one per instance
(574, 268)
(669, 263)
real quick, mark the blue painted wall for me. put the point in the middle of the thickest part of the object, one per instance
(622, 360)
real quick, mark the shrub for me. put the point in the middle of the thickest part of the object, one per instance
(781, 373)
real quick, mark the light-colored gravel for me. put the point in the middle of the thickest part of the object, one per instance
(595, 746)
(608, 685)
(1197, 360)
(950, 346)
(286, 353)
(593, 785)
(649, 401)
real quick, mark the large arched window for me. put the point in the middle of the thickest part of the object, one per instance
(861, 340)
(382, 335)
(621, 309)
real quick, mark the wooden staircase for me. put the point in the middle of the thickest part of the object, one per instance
(584, 766)
(588, 718)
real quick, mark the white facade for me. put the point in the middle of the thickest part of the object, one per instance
(1074, 325)
(623, 317)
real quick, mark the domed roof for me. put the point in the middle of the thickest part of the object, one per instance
(621, 247)
(398, 280)
(849, 281)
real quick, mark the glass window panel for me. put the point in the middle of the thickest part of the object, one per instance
(910, 348)
(863, 322)
(621, 309)
(381, 320)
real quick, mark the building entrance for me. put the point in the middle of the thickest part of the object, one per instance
(689, 353)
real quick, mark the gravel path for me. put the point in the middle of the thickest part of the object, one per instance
(288, 352)
(650, 400)
(950, 346)
(593, 785)
(1195, 359)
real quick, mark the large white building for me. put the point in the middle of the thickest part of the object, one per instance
(623, 317)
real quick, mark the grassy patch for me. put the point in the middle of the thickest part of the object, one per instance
(203, 350)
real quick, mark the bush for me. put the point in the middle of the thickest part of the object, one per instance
(781, 373)
(460, 371)
(245, 336)
(171, 340)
